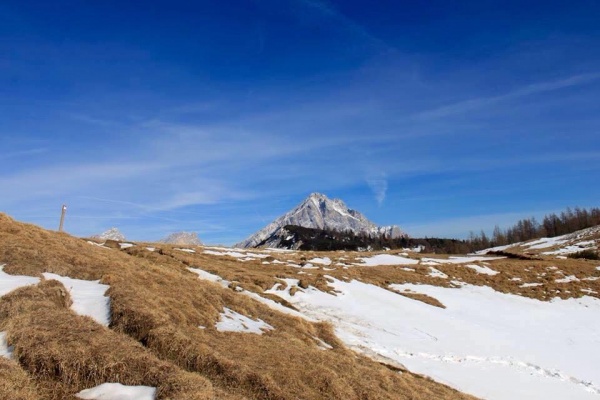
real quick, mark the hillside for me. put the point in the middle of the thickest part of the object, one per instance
(214, 322)
(582, 242)
(165, 328)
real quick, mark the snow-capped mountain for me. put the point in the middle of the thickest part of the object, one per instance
(320, 212)
(182, 238)
(111, 234)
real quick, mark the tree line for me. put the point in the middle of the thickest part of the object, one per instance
(568, 221)
(552, 225)
(294, 236)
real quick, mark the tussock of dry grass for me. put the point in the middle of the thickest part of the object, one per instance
(66, 353)
(156, 308)
(15, 384)
(432, 301)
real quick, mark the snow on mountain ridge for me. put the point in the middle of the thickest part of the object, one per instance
(319, 212)
(111, 234)
(182, 238)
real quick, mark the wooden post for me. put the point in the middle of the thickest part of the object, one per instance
(62, 218)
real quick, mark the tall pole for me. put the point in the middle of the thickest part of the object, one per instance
(62, 218)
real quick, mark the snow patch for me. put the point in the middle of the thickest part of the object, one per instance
(88, 297)
(236, 254)
(8, 283)
(526, 285)
(482, 269)
(322, 345)
(97, 244)
(386, 259)
(322, 261)
(117, 391)
(5, 350)
(544, 243)
(232, 321)
(436, 273)
(459, 260)
(567, 279)
(573, 248)
(207, 276)
(268, 302)
(187, 250)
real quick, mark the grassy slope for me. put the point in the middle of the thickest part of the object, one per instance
(154, 339)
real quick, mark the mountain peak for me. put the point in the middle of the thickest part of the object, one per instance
(111, 234)
(182, 239)
(317, 195)
(318, 211)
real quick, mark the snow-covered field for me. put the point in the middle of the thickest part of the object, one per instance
(486, 343)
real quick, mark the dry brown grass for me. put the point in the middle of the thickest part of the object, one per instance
(432, 301)
(255, 276)
(15, 383)
(66, 353)
(156, 308)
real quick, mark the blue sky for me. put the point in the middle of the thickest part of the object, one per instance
(217, 117)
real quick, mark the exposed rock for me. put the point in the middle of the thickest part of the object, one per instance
(111, 234)
(182, 238)
(320, 212)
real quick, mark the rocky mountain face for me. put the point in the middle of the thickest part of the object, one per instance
(111, 234)
(182, 239)
(320, 212)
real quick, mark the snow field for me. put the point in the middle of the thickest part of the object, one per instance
(485, 343)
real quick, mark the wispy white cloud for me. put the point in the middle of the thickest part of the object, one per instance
(53, 180)
(23, 153)
(330, 11)
(532, 89)
(379, 186)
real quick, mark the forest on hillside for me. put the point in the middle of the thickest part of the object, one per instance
(552, 225)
